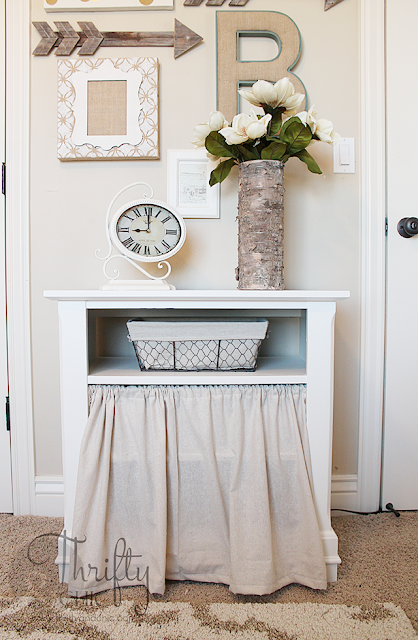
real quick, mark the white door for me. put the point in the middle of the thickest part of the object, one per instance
(6, 504)
(400, 440)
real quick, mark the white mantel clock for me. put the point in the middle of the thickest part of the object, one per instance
(141, 231)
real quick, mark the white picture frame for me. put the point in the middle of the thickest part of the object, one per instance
(188, 190)
(140, 140)
(57, 6)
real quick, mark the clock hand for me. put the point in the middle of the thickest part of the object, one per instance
(147, 230)
(141, 230)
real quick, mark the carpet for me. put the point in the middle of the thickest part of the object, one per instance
(32, 618)
(375, 596)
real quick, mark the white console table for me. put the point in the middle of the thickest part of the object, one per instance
(299, 350)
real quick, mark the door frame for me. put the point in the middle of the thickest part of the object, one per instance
(6, 500)
(373, 250)
(18, 58)
(373, 216)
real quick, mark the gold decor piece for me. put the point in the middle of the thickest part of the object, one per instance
(62, 6)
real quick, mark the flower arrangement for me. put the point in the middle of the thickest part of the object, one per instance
(278, 135)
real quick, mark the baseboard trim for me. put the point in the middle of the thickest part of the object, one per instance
(49, 494)
(344, 492)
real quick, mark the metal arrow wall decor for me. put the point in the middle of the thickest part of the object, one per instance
(215, 3)
(241, 3)
(331, 3)
(66, 39)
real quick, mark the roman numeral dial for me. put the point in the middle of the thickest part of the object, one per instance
(148, 231)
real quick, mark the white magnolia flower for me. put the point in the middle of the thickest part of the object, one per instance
(281, 94)
(217, 121)
(325, 131)
(201, 131)
(258, 128)
(322, 128)
(293, 103)
(308, 118)
(311, 118)
(262, 92)
(245, 127)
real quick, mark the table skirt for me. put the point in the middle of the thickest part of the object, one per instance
(206, 483)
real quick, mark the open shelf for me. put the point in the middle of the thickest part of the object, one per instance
(125, 370)
(282, 356)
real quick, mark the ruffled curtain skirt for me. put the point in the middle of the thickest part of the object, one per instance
(205, 483)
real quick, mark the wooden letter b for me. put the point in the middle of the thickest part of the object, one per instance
(232, 72)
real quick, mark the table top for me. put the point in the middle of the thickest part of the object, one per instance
(194, 295)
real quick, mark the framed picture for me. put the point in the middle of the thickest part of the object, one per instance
(106, 5)
(108, 109)
(188, 188)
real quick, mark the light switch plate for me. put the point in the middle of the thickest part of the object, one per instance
(344, 156)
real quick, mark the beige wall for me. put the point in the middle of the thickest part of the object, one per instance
(69, 200)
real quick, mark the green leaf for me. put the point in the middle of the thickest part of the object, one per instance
(216, 144)
(247, 154)
(288, 122)
(275, 124)
(222, 171)
(275, 151)
(309, 161)
(296, 135)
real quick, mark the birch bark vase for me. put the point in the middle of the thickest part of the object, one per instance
(260, 225)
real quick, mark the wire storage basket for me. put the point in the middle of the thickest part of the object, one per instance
(197, 345)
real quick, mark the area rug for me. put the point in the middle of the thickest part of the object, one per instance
(379, 556)
(65, 619)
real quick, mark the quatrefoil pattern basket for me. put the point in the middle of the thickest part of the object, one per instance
(197, 345)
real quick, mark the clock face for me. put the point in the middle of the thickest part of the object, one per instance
(148, 231)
